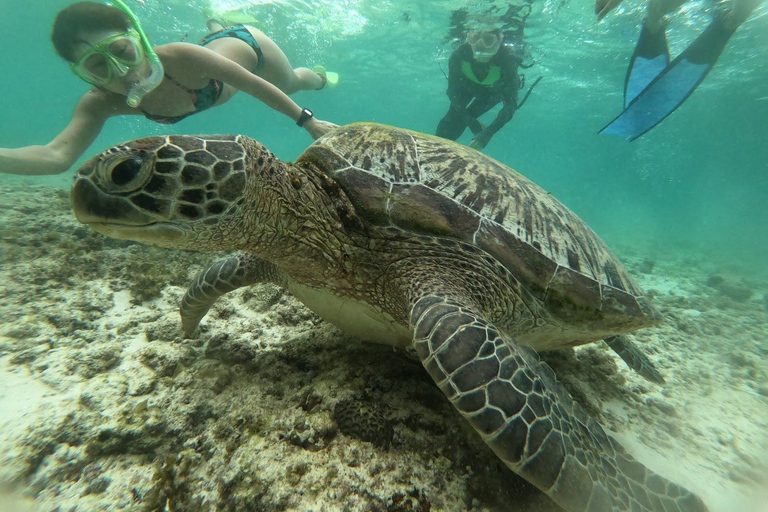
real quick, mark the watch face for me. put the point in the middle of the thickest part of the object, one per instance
(305, 115)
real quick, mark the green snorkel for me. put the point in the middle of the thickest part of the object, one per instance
(138, 91)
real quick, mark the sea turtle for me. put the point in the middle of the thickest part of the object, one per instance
(414, 241)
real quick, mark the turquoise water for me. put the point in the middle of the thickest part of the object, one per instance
(698, 181)
(93, 322)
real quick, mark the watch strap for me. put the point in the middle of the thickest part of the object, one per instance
(305, 116)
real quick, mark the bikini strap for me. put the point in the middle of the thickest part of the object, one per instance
(190, 91)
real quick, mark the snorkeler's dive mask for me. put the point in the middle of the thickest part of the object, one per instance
(110, 57)
(482, 39)
(148, 84)
(484, 45)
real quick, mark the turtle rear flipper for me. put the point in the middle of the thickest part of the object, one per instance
(514, 401)
(222, 277)
(634, 358)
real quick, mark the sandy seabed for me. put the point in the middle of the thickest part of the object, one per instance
(104, 406)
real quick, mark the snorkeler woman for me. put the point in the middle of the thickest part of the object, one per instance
(107, 48)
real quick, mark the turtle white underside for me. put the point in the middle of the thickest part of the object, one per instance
(354, 317)
(369, 323)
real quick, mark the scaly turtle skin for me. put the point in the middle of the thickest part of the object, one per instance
(414, 241)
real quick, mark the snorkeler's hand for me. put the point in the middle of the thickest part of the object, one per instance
(481, 140)
(603, 7)
(318, 128)
(476, 126)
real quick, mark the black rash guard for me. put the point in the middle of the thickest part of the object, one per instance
(462, 90)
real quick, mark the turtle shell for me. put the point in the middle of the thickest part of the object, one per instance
(431, 186)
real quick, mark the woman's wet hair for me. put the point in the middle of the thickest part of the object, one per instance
(82, 18)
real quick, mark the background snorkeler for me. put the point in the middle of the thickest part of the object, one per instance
(483, 72)
(106, 47)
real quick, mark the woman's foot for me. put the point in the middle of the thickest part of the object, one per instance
(214, 25)
(329, 78)
(325, 81)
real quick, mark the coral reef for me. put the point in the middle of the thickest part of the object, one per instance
(364, 421)
(730, 286)
(270, 409)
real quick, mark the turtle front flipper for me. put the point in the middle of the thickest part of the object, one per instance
(514, 401)
(634, 358)
(223, 277)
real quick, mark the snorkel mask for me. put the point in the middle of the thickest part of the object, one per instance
(117, 54)
(143, 87)
(484, 34)
(114, 55)
(484, 45)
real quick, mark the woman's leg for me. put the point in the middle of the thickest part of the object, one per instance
(275, 68)
(740, 11)
(656, 11)
(453, 124)
(278, 70)
(214, 25)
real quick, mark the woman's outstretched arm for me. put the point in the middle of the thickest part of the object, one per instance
(88, 118)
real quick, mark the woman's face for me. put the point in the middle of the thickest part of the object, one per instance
(111, 60)
(484, 44)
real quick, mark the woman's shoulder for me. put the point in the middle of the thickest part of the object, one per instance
(184, 62)
(177, 50)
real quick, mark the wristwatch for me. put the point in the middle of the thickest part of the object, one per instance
(305, 116)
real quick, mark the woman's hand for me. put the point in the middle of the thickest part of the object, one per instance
(318, 128)
(93, 109)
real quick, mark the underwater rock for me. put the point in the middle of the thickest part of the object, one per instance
(309, 437)
(134, 431)
(95, 481)
(218, 375)
(230, 350)
(96, 358)
(732, 287)
(414, 500)
(165, 427)
(646, 267)
(363, 421)
(142, 381)
(165, 358)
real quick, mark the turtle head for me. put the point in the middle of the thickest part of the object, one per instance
(176, 191)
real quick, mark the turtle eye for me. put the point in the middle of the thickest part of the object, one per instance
(126, 171)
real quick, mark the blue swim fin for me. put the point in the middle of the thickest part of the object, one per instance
(673, 85)
(649, 59)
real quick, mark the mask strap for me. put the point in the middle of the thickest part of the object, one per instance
(138, 91)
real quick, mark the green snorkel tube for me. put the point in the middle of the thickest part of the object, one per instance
(138, 91)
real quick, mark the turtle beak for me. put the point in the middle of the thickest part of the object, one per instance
(92, 206)
(116, 217)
